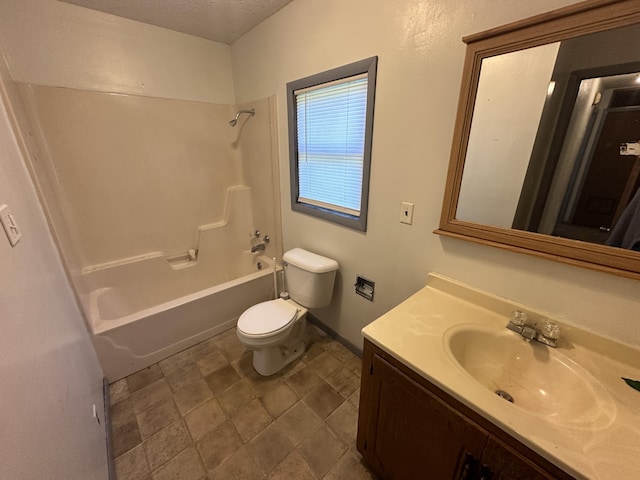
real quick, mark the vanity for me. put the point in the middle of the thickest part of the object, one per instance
(429, 409)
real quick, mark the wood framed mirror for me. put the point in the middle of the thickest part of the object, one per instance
(546, 149)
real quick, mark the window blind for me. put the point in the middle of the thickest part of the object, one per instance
(331, 122)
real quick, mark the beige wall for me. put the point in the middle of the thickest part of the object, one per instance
(47, 42)
(49, 371)
(420, 64)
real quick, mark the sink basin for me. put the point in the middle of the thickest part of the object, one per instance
(539, 379)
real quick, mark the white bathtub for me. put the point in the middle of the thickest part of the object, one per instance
(144, 311)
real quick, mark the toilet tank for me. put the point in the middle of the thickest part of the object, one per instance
(310, 277)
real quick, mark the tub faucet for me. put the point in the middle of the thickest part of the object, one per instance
(548, 335)
(259, 247)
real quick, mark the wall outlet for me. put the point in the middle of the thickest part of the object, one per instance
(406, 213)
(14, 234)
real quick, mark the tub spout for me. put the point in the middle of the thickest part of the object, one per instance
(258, 248)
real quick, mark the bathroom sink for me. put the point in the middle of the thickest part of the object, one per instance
(538, 379)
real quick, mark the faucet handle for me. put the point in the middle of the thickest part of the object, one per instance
(518, 318)
(551, 331)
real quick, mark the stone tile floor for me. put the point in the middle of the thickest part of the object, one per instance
(205, 414)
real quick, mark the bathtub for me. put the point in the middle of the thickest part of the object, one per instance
(143, 311)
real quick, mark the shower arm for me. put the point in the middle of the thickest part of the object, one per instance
(233, 122)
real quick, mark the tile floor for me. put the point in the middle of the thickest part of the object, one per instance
(205, 414)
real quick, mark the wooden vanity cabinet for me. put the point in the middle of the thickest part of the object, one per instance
(410, 429)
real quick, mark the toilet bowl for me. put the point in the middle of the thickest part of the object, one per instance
(275, 329)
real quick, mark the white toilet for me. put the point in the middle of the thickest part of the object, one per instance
(274, 330)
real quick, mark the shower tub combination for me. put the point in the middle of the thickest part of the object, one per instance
(146, 309)
(146, 301)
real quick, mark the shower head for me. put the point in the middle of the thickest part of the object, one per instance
(233, 122)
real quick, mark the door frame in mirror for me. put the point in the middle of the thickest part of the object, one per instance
(583, 18)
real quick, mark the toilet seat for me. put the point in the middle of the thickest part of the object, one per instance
(267, 318)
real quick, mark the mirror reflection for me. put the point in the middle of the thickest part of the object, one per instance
(554, 143)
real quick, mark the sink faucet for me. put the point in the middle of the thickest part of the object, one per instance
(548, 335)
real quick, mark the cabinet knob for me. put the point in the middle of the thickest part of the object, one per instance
(468, 467)
(485, 473)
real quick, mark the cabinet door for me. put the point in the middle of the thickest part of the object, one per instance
(507, 464)
(410, 433)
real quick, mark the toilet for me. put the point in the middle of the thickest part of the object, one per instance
(274, 329)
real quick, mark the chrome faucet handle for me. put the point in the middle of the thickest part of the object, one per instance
(266, 239)
(518, 318)
(551, 331)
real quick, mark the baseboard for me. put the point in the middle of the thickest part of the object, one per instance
(107, 427)
(348, 345)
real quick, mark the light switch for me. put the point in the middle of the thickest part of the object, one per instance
(14, 234)
(406, 213)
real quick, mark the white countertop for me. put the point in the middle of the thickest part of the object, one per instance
(610, 450)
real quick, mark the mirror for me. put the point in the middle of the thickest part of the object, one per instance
(546, 151)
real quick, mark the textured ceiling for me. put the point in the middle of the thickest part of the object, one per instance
(218, 20)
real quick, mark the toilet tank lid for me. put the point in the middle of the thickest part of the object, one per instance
(309, 261)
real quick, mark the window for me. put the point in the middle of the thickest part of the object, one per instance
(330, 129)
